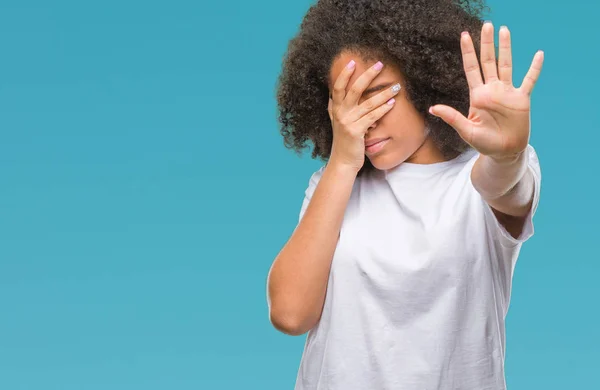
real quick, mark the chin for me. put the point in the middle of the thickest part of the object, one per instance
(384, 162)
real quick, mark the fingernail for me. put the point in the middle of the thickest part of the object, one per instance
(503, 28)
(465, 33)
(350, 64)
(378, 65)
(391, 101)
(396, 87)
(487, 21)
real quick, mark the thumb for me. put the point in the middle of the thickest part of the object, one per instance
(454, 118)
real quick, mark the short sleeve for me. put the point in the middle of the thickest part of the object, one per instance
(312, 185)
(506, 239)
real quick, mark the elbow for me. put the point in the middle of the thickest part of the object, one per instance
(287, 313)
(289, 324)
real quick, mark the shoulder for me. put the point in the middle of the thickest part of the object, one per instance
(315, 177)
(318, 173)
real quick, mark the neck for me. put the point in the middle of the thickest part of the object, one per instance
(428, 153)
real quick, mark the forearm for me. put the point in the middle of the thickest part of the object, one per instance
(298, 278)
(507, 185)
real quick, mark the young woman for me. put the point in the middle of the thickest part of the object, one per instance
(401, 264)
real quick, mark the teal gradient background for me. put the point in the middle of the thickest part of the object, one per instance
(145, 191)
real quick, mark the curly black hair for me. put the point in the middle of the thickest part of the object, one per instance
(421, 37)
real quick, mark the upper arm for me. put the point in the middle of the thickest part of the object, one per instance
(513, 225)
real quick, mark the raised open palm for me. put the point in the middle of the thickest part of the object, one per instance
(498, 124)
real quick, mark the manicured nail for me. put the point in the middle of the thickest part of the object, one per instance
(503, 28)
(378, 66)
(391, 101)
(396, 87)
(464, 33)
(351, 64)
(487, 21)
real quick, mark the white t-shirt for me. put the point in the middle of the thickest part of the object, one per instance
(419, 285)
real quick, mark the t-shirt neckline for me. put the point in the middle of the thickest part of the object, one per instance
(407, 167)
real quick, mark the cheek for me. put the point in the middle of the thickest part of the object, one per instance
(393, 119)
(403, 116)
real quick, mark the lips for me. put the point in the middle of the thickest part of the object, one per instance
(374, 141)
(375, 145)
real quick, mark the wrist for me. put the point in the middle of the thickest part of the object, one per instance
(508, 159)
(341, 168)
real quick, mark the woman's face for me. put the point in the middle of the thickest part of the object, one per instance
(403, 127)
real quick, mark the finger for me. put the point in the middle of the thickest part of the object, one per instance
(376, 101)
(505, 57)
(533, 74)
(339, 87)
(367, 120)
(329, 108)
(359, 86)
(470, 64)
(462, 125)
(488, 53)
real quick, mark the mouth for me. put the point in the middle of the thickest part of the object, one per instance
(375, 145)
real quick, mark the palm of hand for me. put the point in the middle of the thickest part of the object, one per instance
(498, 123)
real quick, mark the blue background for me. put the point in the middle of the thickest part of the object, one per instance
(145, 191)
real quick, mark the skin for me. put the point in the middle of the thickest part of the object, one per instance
(498, 126)
(403, 124)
